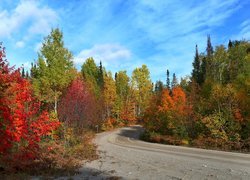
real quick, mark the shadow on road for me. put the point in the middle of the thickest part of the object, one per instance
(83, 173)
(95, 174)
(132, 132)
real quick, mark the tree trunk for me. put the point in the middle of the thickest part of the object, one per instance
(55, 104)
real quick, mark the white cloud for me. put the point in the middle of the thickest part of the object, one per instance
(20, 44)
(107, 53)
(30, 15)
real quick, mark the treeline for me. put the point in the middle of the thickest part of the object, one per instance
(211, 109)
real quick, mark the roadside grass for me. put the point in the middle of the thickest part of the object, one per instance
(56, 158)
(200, 142)
(163, 139)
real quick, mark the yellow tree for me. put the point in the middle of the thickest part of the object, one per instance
(109, 94)
(142, 85)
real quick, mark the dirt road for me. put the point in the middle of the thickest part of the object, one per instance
(123, 156)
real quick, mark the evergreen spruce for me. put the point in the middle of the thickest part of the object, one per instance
(168, 80)
(174, 82)
(196, 67)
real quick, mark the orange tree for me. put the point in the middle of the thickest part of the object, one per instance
(168, 113)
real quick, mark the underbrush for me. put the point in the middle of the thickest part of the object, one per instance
(55, 157)
(200, 142)
(220, 144)
(163, 139)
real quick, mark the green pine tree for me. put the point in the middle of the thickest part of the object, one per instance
(196, 67)
(168, 80)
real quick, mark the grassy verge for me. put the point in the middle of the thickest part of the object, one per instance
(200, 142)
(163, 139)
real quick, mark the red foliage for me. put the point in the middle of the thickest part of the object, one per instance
(21, 124)
(78, 105)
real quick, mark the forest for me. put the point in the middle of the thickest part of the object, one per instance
(50, 113)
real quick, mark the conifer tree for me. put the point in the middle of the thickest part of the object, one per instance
(27, 75)
(23, 73)
(168, 80)
(209, 58)
(196, 67)
(174, 82)
(91, 74)
(203, 70)
(159, 86)
(230, 44)
(209, 49)
(100, 76)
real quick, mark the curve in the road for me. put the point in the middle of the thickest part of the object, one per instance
(129, 137)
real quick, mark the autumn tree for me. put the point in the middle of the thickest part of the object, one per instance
(122, 84)
(78, 107)
(236, 59)
(122, 91)
(109, 94)
(166, 101)
(220, 62)
(222, 122)
(22, 124)
(143, 88)
(54, 69)
(124, 107)
(167, 113)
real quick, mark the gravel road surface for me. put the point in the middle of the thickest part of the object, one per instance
(123, 156)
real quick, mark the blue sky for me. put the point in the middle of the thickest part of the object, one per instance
(123, 34)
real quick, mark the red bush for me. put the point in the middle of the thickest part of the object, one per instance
(22, 125)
